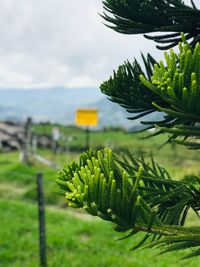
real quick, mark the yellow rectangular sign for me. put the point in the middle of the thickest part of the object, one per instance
(87, 117)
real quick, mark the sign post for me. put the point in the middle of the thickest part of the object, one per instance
(87, 117)
(87, 137)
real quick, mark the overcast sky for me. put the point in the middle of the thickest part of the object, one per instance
(47, 43)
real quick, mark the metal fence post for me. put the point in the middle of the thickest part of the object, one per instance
(41, 213)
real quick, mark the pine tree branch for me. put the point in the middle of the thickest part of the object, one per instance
(172, 88)
(134, 195)
(144, 17)
(126, 89)
(178, 83)
(172, 199)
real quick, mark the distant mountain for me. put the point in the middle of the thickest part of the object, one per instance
(54, 104)
(59, 105)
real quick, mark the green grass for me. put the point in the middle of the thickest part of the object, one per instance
(18, 181)
(177, 159)
(73, 239)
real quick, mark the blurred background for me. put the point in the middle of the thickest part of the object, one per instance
(54, 54)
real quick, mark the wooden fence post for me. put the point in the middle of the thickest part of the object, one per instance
(41, 213)
(26, 143)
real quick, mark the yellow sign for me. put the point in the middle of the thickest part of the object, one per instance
(86, 117)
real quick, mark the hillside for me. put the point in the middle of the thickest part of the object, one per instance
(59, 105)
(52, 104)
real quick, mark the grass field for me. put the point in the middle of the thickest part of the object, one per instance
(74, 239)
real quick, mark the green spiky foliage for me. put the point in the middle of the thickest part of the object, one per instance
(148, 16)
(178, 83)
(172, 88)
(126, 89)
(135, 196)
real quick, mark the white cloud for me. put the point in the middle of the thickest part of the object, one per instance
(60, 42)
